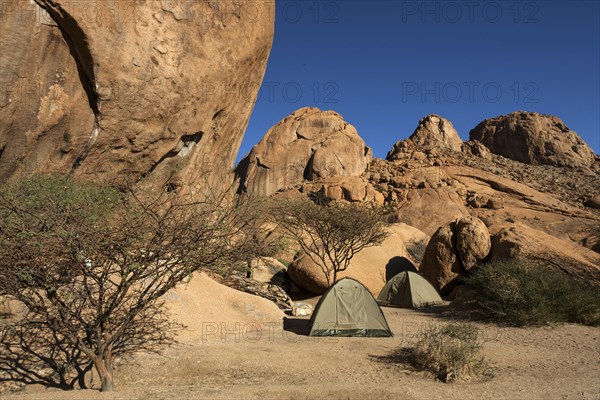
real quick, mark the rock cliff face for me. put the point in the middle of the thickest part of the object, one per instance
(307, 145)
(478, 206)
(118, 90)
(433, 131)
(533, 138)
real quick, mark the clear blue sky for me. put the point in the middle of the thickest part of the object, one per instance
(385, 64)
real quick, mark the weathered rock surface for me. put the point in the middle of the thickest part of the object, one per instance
(370, 266)
(453, 250)
(417, 209)
(306, 145)
(476, 148)
(130, 89)
(302, 309)
(307, 275)
(347, 188)
(523, 242)
(267, 270)
(473, 242)
(593, 202)
(441, 265)
(433, 131)
(204, 304)
(267, 290)
(410, 234)
(533, 138)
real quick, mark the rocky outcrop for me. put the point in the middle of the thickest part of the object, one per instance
(433, 132)
(307, 145)
(268, 291)
(519, 241)
(346, 188)
(119, 90)
(417, 208)
(453, 250)
(475, 148)
(533, 138)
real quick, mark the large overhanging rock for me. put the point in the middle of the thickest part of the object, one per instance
(307, 145)
(122, 89)
(533, 138)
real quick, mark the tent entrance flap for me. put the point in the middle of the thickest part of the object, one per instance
(351, 313)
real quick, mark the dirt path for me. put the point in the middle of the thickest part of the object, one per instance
(262, 361)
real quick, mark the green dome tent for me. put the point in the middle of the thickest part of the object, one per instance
(408, 289)
(348, 309)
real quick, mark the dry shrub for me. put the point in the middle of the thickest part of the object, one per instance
(450, 352)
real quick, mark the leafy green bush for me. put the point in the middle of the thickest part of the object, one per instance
(450, 352)
(514, 293)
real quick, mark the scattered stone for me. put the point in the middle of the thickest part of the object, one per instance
(302, 309)
(495, 203)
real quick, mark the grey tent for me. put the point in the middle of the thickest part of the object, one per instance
(348, 309)
(408, 289)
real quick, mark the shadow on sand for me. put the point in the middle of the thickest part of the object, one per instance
(299, 326)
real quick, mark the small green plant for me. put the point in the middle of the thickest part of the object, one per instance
(514, 293)
(450, 352)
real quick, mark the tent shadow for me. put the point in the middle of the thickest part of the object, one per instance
(396, 265)
(299, 326)
(449, 313)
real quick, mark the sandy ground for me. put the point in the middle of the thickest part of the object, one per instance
(266, 355)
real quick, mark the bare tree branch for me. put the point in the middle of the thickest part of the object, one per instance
(329, 234)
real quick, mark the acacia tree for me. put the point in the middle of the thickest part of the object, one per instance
(91, 265)
(331, 234)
